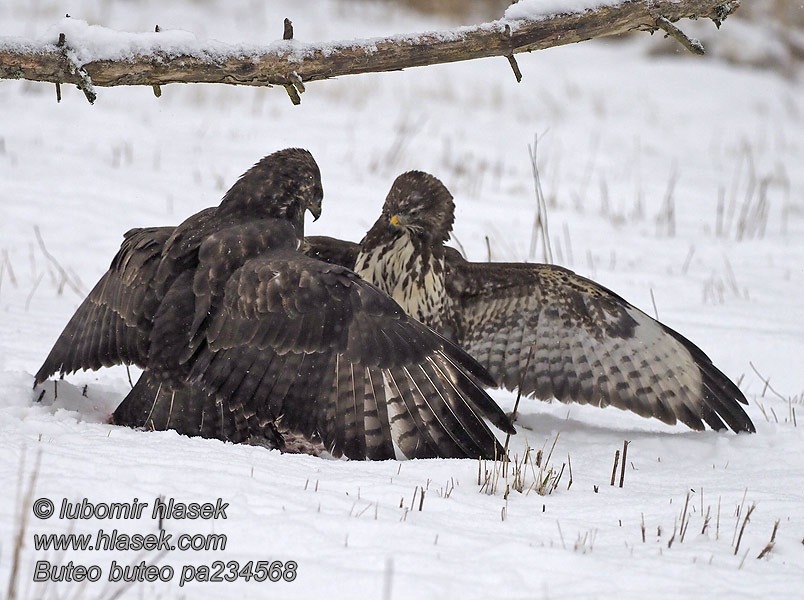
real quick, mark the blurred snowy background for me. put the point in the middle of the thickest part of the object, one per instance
(668, 178)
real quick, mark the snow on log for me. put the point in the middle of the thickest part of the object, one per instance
(91, 56)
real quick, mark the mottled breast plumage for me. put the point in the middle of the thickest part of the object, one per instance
(414, 281)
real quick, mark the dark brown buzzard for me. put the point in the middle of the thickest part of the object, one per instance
(241, 336)
(589, 345)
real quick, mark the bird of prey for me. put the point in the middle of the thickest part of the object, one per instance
(241, 335)
(588, 344)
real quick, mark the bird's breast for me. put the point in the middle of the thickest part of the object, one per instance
(399, 270)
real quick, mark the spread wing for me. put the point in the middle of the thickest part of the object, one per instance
(589, 345)
(187, 409)
(331, 250)
(112, 325)
(311, 346)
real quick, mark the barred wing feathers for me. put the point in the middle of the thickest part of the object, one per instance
(187, 409)
(589, 345)
(311, 346)
(112, 325)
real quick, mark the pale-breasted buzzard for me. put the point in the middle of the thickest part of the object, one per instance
(589, 345)
(241, 335)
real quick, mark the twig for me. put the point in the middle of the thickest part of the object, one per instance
(84, 81)
(739, 512)
(668, 211)
(553, 447)
(684, 519)
(742, 529)
(622, 469)
(690, 44)
(522, 377)
(540, 221)
(717, 526)
(295, 87)
(510, 57)
(461, 249)
(569, 462)
(9, 268)
(27, 500)
(64, 275)
(514, 67)
(688, 260)
(673, 537)
(706, 520)
(653, 301)
(33, 290)
(297, 82)
(157, 89)
(294, 95)
(772, 541)
(614, 468)
(766, 381)
(567, 243)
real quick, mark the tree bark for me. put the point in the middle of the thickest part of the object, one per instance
(291, 63)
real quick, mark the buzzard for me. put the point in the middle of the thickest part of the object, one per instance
(241, 336)
(588, 344)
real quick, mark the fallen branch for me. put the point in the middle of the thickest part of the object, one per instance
(165, 57)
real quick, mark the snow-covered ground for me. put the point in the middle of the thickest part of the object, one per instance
(621, 138)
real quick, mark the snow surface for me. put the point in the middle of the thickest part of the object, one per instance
(618, 135)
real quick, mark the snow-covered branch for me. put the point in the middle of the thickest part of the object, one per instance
(91, 56)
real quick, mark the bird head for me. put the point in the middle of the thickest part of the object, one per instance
(420, 205)
(283, 185)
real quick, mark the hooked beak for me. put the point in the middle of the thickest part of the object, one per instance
(399, 221)
(315, 209)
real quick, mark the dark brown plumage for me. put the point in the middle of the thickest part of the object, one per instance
(242, 337)
(589, 345)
